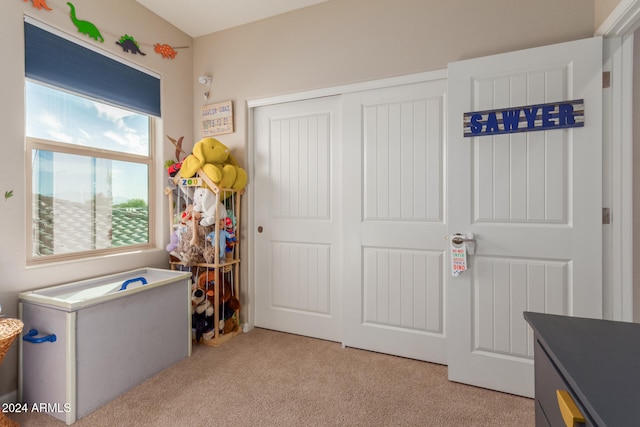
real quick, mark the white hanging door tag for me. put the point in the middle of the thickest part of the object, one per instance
(458, 256)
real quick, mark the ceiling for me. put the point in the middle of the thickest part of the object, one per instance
(200, 17)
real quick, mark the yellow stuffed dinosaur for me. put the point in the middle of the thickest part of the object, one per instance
(217, 162)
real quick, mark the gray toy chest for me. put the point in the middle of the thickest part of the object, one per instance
(87, 342)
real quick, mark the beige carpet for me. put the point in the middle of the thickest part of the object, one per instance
(267, 378)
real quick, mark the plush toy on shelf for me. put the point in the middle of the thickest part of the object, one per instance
(228, 303)
(231, 236)
(172, 167)
(217, 162)
(201, 314)
(222, 241)
(197, 222)
(180, 229)
(192, 254)
(174, 239)
(205, 202)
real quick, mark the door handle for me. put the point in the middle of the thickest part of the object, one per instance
(459, 239)
(469, 239)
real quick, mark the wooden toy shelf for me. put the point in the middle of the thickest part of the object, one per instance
(225, 267)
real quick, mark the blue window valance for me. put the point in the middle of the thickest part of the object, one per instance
(61, 63)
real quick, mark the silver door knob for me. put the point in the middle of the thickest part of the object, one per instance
(460, 239)
(469, 240)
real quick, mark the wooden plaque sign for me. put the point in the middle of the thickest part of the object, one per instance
(217, 119)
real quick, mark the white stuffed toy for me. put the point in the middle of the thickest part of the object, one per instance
(205, 202)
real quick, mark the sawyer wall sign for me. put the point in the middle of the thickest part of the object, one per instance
(556, 115)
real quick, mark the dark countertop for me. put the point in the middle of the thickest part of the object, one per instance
(600, 360)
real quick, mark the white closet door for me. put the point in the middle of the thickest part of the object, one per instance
(297, 238)
(394, 220)
(356, 194)
(533, 201)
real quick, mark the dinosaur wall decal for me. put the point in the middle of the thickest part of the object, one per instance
(165, 50)
(128, 44)
(85, 27)
(40, 4)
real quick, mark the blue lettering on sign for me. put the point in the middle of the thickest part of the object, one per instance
(476, 126)
(531, 116)
(492, 123)
(546, 116)
(558, 115)
(565, 114)
(511, 119)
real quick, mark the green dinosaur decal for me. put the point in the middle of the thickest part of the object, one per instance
(85, 27)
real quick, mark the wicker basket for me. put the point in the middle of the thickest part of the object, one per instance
(9, 330)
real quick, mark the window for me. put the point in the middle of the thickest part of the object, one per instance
(89, 162)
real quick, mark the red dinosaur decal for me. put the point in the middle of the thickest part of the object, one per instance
(165, 50)
(40, 4)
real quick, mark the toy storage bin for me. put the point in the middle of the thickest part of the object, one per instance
(85, 343)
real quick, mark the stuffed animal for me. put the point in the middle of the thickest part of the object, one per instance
(207, 281)
(230, 325)
(222, 241)
(204, 202)
(181, 228)
(187, 215)
(202, 327)
(231, 236)
(193, 247)
(201, 314)
(174, 239)
(228, 303)
(200, 304)
(173, 168)
(192, 254)
(215, 159)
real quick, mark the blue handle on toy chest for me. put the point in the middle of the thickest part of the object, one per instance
(137, 279)
(31, 337)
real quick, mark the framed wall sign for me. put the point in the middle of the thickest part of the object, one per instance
(217, 119)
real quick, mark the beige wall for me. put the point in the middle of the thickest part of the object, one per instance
(603, 9)
(348, 41)
(114, 18)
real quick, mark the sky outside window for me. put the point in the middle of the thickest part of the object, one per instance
(63, 117)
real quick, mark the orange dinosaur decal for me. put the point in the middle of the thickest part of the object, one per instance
(40, 4)
(165, 50)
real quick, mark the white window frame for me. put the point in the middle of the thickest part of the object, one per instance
(59, 147)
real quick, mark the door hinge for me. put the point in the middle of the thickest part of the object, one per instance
(606, 215)
(606, 79)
